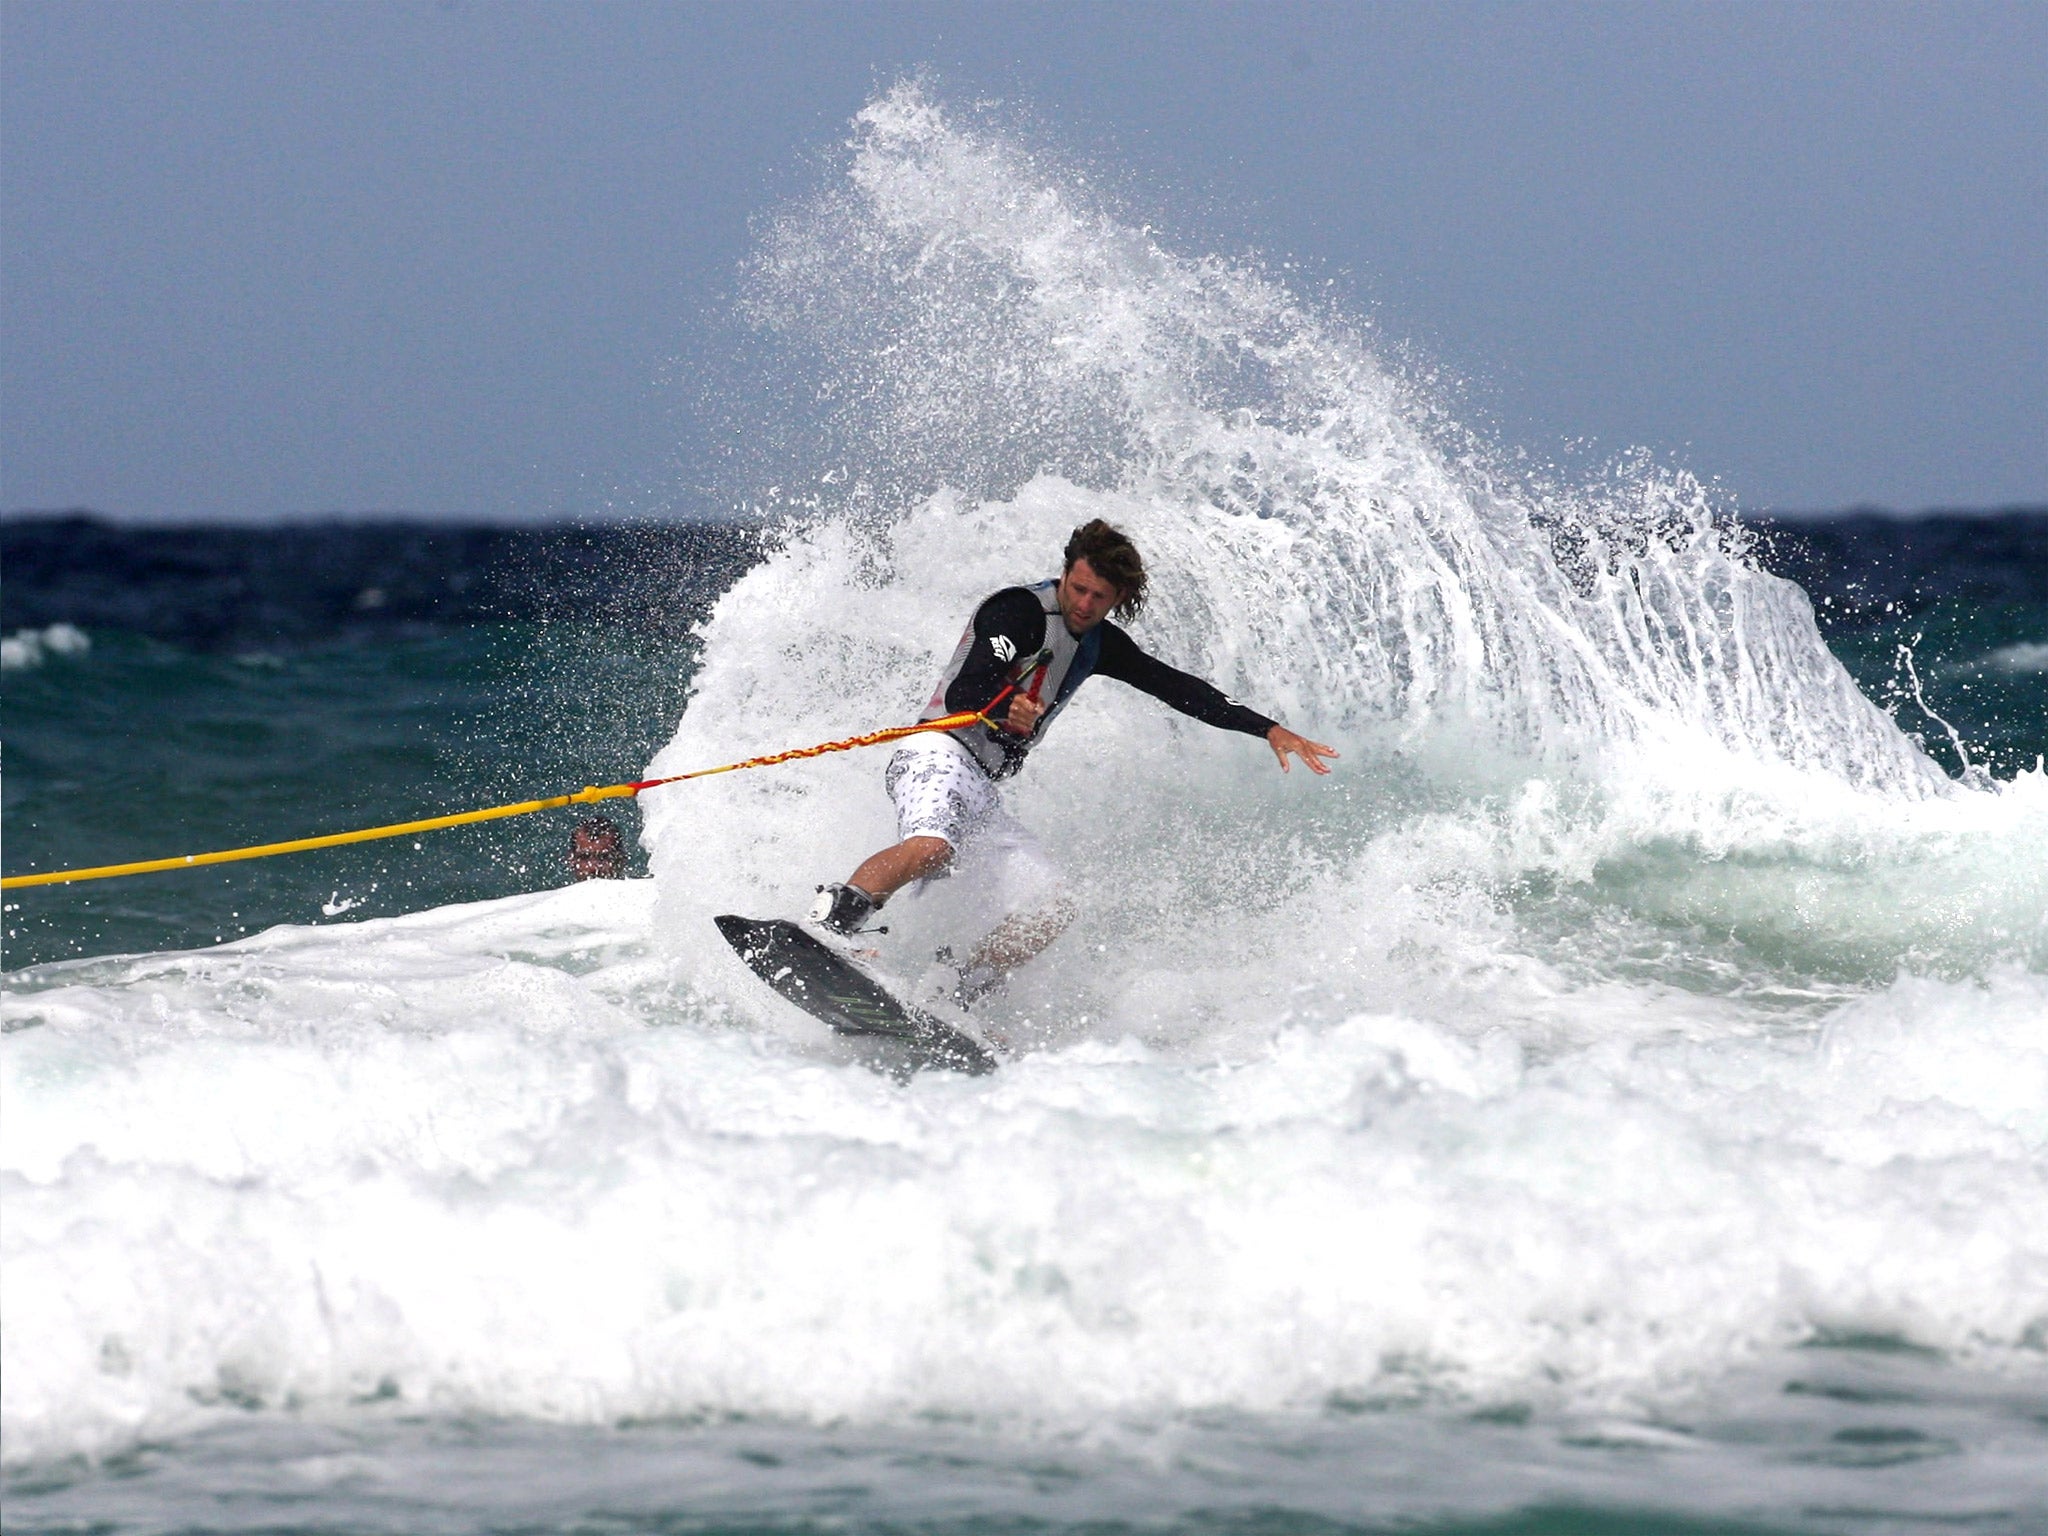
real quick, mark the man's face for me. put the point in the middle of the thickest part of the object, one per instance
(1085, 598)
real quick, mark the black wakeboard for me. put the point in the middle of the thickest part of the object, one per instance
(893, 1037)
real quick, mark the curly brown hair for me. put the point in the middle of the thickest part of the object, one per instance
(1112, 556)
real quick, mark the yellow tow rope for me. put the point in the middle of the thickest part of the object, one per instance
(585, 796)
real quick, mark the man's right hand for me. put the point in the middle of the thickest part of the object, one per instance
(1025, 713)
(1284, 741)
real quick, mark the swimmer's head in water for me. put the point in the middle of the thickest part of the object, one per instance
(596, 850)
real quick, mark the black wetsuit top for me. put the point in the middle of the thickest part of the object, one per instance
(1017, 636)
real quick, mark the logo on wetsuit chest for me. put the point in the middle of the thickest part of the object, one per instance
(1004, 647)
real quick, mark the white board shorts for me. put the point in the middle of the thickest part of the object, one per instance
(939, 791)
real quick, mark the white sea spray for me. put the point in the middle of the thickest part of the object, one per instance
(2027, 656)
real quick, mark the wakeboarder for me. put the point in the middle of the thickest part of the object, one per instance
(1024, 653)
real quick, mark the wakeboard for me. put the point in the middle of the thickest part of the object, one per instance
(892, 1036)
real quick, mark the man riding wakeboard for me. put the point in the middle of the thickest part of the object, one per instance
(1022, 656)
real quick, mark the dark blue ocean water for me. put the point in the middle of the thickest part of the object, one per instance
(240, 688)
(243, 686)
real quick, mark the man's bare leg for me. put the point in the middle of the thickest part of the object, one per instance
(1020, 937)
(887, 872)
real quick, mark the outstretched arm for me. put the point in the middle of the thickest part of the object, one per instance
(1123, 660)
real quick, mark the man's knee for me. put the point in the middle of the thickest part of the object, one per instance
(928, 854)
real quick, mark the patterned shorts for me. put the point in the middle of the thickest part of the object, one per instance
(941, 792)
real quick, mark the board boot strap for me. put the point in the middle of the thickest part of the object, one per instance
(843, 909)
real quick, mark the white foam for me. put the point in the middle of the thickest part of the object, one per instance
(27, 647)
(499, 1160)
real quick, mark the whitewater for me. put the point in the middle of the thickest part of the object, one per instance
(1623, 1083)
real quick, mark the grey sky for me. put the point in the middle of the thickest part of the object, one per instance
(266, 259)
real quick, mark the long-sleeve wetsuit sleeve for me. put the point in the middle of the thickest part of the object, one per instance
(1122, 660)
(1009, 627)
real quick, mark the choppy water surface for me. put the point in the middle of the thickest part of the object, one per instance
(1616, 1100)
